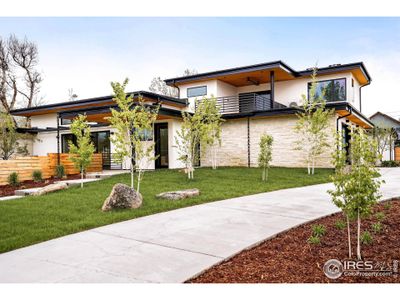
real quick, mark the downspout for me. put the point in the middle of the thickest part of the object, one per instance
(58, 139)
(177, 87)
(359, 93)
(248, 142)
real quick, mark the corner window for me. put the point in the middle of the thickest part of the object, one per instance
(197, 91)
(330, 90)
(146, 135)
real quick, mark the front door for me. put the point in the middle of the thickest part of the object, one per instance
(161, 146)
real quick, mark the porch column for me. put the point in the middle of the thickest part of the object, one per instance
(58, 139)
(272, 82)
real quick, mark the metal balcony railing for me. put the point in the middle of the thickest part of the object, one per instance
(244, 103)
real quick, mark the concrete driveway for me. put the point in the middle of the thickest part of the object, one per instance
(176, 245)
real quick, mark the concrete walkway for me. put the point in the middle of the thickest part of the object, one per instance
(176, 245)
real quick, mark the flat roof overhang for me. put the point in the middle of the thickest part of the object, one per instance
(96, 102)
(260, 73)
(341, 108)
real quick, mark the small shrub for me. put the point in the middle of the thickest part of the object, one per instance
(366, 238)
(340, 224)
(60, 171)
(376, 227)
(37, 176)
(13, 179)
(387, 205)
(318, 230)
(380, 216)
(389, 164)
(315, 240)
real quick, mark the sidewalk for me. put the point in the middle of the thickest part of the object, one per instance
(176, 245)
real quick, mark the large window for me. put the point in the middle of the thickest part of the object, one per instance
(100, 139)
(330, 90)
(197, 91)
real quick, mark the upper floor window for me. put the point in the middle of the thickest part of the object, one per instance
(197, 91)
(330, 90)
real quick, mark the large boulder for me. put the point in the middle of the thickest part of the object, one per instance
(178, 195)
(50, 188)
(122, 196)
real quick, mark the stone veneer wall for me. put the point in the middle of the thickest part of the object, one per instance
(233, 151)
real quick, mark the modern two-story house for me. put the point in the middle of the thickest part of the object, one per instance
(252, 99)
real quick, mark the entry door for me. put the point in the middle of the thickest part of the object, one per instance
(346, 139)
(161, 147)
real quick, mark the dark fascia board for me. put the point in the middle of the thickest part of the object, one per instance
(386, 116)
(338, 68)
(99, 100)
(231, 71)
(270, 65)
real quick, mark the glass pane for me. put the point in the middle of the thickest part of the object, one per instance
(103, 142)
(197, 91)
(340, 90)
(65, 138)
(164, 147)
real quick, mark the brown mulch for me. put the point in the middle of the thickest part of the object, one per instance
(289, 258)
(8, 190)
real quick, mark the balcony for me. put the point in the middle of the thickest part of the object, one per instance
(245, 103)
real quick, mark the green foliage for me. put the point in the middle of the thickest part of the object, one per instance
(387, 205)
(356, 190)
(383, 136)
(312, 126)
(380, 216)
(265, 155)
(366, 238)
(37, 176)
(60, 171)
(130, 121)
(318, 230)
(390, 164)
(315, 240)
(10, 138)
(340, 224)
(376, 227)
(13, 179)
(82, 152)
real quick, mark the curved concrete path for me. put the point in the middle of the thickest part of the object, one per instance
(176, 245)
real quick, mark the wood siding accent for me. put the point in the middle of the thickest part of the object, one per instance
(24, 166)
(397, 154)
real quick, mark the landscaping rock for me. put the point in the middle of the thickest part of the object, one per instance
(50, 188)
(122, 196)
(178, 195)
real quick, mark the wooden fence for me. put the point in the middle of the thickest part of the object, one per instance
(397, 153)
(24, 166)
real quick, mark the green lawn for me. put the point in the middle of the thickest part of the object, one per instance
(31, 220)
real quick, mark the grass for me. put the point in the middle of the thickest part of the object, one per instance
(31, 220)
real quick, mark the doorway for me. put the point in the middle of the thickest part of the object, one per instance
(161, 145)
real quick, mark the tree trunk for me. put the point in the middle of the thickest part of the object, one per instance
(358, 235)
(81, 178)
(132, 176)
(349, 236)
(138, 181)
(263, 175)
(266, 174)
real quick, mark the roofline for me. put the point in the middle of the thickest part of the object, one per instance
(385, 115)
(273, 64)
(71, 104)
(230, 71)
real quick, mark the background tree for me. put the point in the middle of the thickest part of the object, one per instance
(265, 155)
(356, 188)
(71, 95)
(84, 148)
(211, 121)
(384, 137)
(312, 126)
(131, 121)
(158, 85)
(19, 79)
(10, 139)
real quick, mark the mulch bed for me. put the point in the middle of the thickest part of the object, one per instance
(8, 190)
(289, 258)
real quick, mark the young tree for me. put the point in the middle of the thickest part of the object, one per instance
(312, 126)
(187, 140)
(265, 155)
(19, 79)
(131, 120)
(384, 137)
(356, 189)
(84, 148)
(10, 139)
(211, 122)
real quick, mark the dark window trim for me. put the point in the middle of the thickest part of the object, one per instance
(74, 138)
(196, 87)
(333, 79)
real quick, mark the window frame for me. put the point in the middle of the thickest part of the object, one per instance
(333, 79)
(196, 87)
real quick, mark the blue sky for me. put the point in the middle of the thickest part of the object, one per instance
(87, 53)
